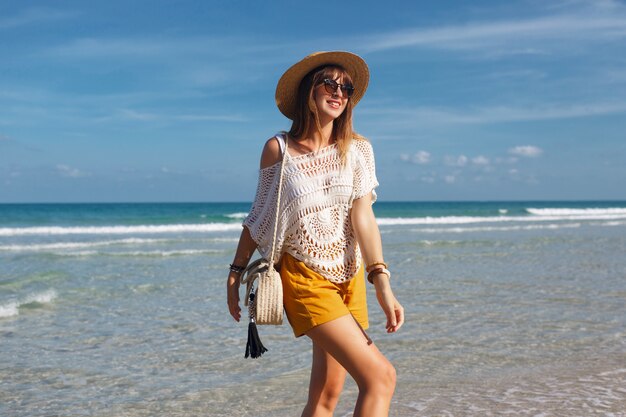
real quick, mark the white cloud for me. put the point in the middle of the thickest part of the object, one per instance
(480, 160)
(499, 114)
(204, 53)
(102, 48)
(449, 179)
(526, 151)
(420, 158)
(34, 16)
(565, 30)
(67, 171)
(456, 161)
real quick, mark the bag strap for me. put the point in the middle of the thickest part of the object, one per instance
(280, 188)
(256, 268)
(281, 142)
(250, 274)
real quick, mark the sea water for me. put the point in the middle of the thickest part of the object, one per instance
(512, 308)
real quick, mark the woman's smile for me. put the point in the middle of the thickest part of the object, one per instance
(335, 104)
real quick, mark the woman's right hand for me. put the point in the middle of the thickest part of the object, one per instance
(245, 248)
(232, 294)
(389, 303)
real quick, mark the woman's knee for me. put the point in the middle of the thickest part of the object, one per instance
(325, 399)
(382, 379)
(330, 395)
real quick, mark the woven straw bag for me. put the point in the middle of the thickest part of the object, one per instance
(266, 304)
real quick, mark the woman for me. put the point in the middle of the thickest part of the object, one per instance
(326, 231)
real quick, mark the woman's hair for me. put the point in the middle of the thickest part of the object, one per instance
(306, 109)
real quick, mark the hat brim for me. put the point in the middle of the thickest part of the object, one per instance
(287, 88)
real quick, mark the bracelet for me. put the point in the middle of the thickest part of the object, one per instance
(371, 266)
(236, 268)
(370, 275)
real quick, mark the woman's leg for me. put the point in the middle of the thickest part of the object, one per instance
(344, 340)
(327, 378)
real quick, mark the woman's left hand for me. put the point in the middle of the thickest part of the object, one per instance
(391, 307)
(232, 296)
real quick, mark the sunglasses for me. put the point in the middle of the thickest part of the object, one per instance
(331, 87)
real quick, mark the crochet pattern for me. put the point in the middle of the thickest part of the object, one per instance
(314, 222)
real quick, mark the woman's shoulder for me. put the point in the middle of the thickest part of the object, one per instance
(362, 145)
(272, 151)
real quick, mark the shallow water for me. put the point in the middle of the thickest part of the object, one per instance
(504, 317)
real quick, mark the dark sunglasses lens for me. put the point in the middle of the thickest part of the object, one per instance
(330, 86)
(347, 90)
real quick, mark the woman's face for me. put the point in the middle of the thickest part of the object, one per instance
(330, 104)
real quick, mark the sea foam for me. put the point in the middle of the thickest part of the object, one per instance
(536, 215)
(9, 309)
(120, 230)
(498, 228)
(240, 215)
(577, 212)
(77, 245)
(12, 308)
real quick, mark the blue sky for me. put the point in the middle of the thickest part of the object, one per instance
(172, 101)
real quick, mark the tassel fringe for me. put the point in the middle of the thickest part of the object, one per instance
(254, 346)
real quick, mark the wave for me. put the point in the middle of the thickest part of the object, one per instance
(577, 212)
(120, 230)
(240, 215)
(45, 247)
(534, 215)
(498, 228)
(77, 245)
(152, 254)
(601, 214)
(12, 308)
(613, 223)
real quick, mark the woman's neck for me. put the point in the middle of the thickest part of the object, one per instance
(317, 140)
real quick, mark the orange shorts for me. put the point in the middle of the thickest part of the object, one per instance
(311, 300)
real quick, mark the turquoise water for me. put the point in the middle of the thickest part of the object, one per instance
(119, 310)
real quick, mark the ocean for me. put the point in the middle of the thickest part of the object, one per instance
(512, 308)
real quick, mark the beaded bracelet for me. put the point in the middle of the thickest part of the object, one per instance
(371, 266)
(236, 268)
(370, 275)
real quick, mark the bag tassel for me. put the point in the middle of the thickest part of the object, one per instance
(254, 346)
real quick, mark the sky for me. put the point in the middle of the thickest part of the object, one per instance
(164, 101)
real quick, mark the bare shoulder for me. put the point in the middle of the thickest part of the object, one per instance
(271, 153)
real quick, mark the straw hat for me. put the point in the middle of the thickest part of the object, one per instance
(287, 88)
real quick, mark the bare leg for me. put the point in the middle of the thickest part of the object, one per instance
(327, 378)
(344, 340)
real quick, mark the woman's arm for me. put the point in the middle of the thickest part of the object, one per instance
(246, 247)
(368, 236)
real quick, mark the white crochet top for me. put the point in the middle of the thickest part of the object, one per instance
(314, 217)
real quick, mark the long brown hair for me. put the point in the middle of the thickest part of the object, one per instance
(306, 110)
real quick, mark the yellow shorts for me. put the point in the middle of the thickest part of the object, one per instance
(311, 300)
